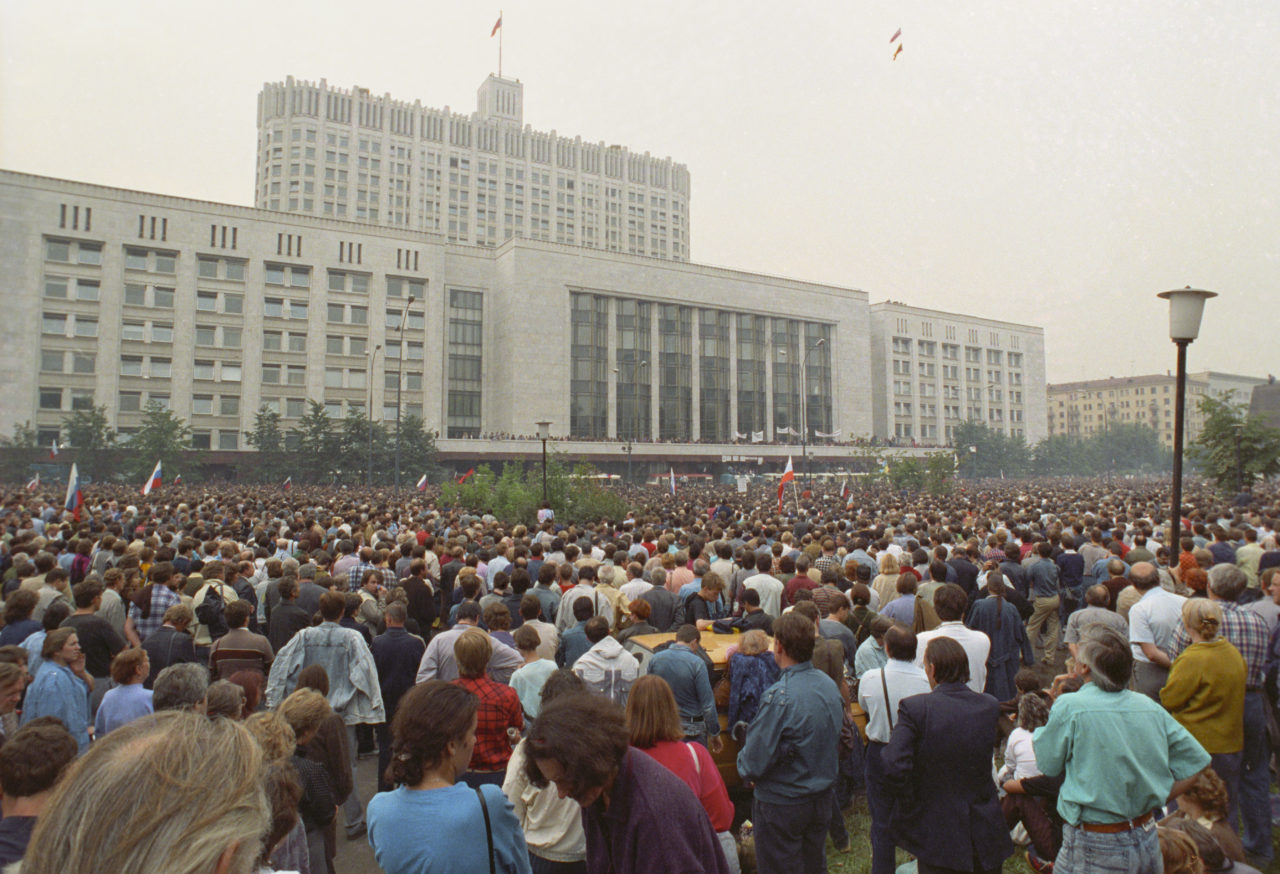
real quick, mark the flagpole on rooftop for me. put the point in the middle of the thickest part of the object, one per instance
(499, 43)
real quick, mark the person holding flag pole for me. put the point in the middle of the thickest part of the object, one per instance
(788, 476)
(75, 500)
(154, 481)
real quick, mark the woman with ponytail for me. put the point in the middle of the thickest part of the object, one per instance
(1205, 692)
(995, 617)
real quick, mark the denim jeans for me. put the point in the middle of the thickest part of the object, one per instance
(1255, 780)
(1228, 766)
(353, 808)
(791, 838)
(1136, 851)
(881, 807)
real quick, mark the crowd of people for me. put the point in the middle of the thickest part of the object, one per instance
(188, 681)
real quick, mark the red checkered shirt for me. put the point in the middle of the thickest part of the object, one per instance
(499, 710)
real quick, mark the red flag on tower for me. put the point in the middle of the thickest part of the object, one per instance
(496, 26)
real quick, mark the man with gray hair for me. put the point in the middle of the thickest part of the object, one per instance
(1246, 631)
(1153, 621)
(1121, 756)
(181, 687)
(1095, 612)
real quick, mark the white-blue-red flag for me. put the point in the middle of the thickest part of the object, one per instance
(288, 482)
(75, 500)
(673, 481)
(422, 483)
(53, 449)
(35, 483)
(154, 481)
(788, 475)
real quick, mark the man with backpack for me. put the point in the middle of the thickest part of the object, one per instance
(210, 605)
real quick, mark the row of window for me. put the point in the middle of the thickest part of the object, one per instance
(951, 352)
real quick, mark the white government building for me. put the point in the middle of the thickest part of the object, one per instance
(118, 297)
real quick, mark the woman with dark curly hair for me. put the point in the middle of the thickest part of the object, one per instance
(430, 822)
(639, 817)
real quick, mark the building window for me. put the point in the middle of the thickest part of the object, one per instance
(465, 317)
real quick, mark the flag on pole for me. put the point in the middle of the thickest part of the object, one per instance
(288, 482)
(897, 52)
(496, 26)
(177, 479)
(897, 34)
(844, 491)
(466, 476)
(788, 475)
(74, 500)
(35, 483)
(53, 449)
(673, 481)
(422, 483)
(153, 481)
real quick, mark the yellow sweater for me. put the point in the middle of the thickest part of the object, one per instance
(1205, 694)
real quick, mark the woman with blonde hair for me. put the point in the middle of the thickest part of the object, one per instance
(175, 792)
(885, 585)
(1205, 692)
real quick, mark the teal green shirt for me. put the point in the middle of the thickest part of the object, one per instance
(1120, 751)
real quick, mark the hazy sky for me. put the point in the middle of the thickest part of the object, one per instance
(1056, 164)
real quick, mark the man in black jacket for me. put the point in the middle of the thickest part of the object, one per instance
(287, 619)
(171, 643)
(396, 653)
(938, 764)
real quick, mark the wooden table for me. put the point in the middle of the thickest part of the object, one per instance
(716, 645)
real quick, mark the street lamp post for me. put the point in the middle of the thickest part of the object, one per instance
(544, 434)
(630, 448)
(804, 412)
(1186, 307)
(404, 314)
(373, 359)
(1238, 428)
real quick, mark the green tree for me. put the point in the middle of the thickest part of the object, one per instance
(163, 437)
(317, 443)
(939, 473)
(417, 449)
(1234, 448)
(88, 430)
(268, 439)
(24, 437)
(906, 474)
(986, 452)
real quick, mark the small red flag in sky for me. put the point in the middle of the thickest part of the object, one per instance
(897, 52)
(897, 34)
(497, 24)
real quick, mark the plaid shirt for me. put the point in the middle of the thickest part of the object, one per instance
(1243, 629)
(499, 710)
(162, 598)
(356, 575)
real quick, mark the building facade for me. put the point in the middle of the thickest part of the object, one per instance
(932, 371)
(118, 298)
(480, 178)
(1083, 408)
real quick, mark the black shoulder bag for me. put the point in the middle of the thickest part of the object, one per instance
(488, 830)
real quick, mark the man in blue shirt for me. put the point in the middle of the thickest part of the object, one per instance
(790, 754)
(1043, 624)
(1121, 756)
(686, 674)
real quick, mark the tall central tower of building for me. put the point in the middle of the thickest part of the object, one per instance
(480, 179)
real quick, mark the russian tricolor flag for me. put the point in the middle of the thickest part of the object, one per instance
(74, 500)
(422, 483)
(154, 481)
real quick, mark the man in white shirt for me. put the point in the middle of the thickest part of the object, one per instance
(769, 587)
(898, 679)
(584, 589)
(950, 601)
(635, 586)
(1153, 621)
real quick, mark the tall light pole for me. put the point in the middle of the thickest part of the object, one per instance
(544, 434)
(1238, 428)
(1186, 307)
(630, 448)
(373, 359)
(404, 314)
(804, 413)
